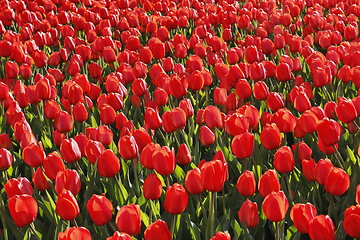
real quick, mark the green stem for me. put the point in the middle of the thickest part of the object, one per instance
(32, 227)
(331, 204)
(223, 198)
(339, 158)
(277, 231)
(167, 178)
(212, 214)
(75, 223)
(137, 188)
(172, 226)
(150, 212)
(289, 188)
(202, 208)
(121, 191)
(111, 227)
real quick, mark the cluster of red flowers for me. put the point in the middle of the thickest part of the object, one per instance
(89, 87)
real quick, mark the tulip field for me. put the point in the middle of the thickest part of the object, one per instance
(179, 119)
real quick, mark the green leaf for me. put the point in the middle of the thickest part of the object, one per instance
(27, 235)
(246, 231)
(292, 233)
(144, 218)
(194, 230)
(236, 228)
(351, 155)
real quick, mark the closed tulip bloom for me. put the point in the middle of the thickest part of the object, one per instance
(70, 150)
(220, 96)
(5, 141)
(93, 149)
(207, 137)
(193, 182)
(67, 206)
(33, 155)
(80, 112)
(120, 236)
(128, 219)
(221, 236)
(249, 213)
(40, 181)
(176, 199)
(268, 183)
(108, 164)
(146, 155)
(301, 214)
(275, 101)
(213, 175)
(6, 159)
(283, 72)
(79, 233)
(243, 145)
(183, 156)
(275, 206)
(285, 120)
(243, 89)
(212, 117)
(152, 119)
(322, 170)
(284, 160)
(345, 110)
(337, 182)
(164, 160)
(308, 168)
(128, 147)
(12, 69)
(69, 180)
(246, 184)
(178, 118)
(329, 132)
(261, 90)
(100, 209)
(271, 137)
(63, 122)
(321, 228)
(157, 230)
(152, 187)
(18, 186)
(352, 221)
(23, 209)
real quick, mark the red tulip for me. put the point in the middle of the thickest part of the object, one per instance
(104, 135)
(40, 181)
(268, 183)
(108, 163)
(329, 132)
(212, 117)
(243, 89)
(23, 209)
(12, 69)
(128, 148)
(275, 101)
(322, 170)
(6, 159)
(69, 180)
(164, 160)
(243, 145)
(128, 219)
(67, 206)
(321, 228)
(337, 182)
(207, 137)
(301, 215)
(261, 90)
(246, 184)
(100, 209)
(271, 137)
(152, 119)
(213, 175)
(70, 151)
(152, 187)
(33, 155)
(283, 72)
(193, 182)
(284, 160)
(18, 186)
(176, 199)
(63, 122)
(80, 112)
(285, 120)
(275, 206)
(351, 221)
(142, 138)
(345, 110)
(157, 230)
(249, 213)
(221, 236)
(308, 167)
(79, 233)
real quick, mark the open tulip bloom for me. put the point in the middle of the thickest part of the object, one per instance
(179, 119)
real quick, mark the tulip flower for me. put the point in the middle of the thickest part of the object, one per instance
(337, 182)
(322, 170)
(100, 209)
(329, 132)
(284, 160)
(63, 122)
(221, 236)
(157, 230)
(268, 182)
(120, 236)
(207, 137)
(271, 137)
(23, 209)
(152, 187)
(40, 181)
(128, 219)
(75, 233)
(301, 215)
(67, 206)
(18, 186)
(128, 147)
(193, 182)
(164, 160)
(275, 206)
(108, 164)
(351, 221)
(176, 199)
(243, 145)
(6, 159)
(308, 168)
(69, 180)
(249, 213)
(321, 227)
(246, 184)
(33, 155)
